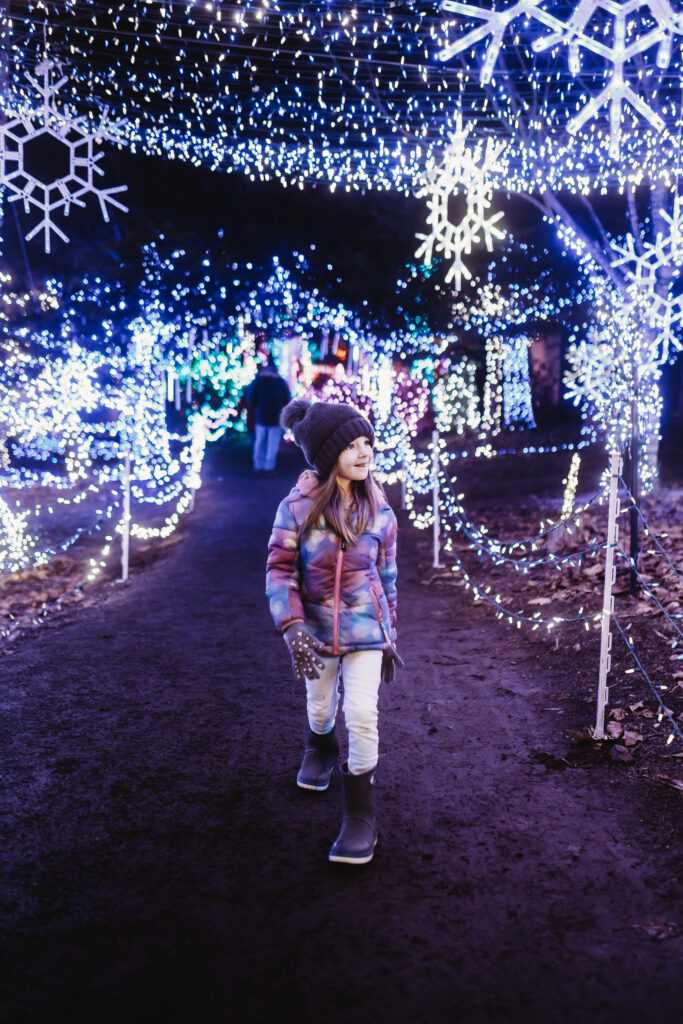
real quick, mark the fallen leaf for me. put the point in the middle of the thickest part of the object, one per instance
(551, 760)
(635, 707)
(668, 781)
(631, 737)
(659, 928)
(584, 735)
(620, 753)
(618, 714)
(614, 730)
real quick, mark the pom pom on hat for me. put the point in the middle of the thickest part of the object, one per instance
(324, 429)
(294, 413)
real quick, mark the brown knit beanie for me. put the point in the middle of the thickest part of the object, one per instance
(323, 430)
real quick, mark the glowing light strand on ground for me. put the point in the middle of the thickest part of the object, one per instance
(452, 512)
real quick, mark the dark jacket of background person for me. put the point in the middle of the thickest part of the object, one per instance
(268, 394)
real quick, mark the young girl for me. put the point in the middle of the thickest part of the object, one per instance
(331, 582)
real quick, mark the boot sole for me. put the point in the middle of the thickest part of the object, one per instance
(339, 858)
(317, 789)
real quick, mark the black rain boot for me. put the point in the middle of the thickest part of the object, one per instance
(357, 839)
(322, 751)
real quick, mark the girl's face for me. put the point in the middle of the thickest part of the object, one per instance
(355, 461)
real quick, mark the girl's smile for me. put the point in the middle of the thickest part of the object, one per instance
(355, 461)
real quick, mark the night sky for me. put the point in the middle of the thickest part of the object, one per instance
(363, 242)
(367, 238)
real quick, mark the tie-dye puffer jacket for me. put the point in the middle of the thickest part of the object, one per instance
(345, 593)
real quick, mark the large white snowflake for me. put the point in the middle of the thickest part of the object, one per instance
(48, 159)
(642, 266)
(602, 27)
(466, 172)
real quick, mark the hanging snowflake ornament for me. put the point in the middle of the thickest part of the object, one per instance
(604, 28)
(645, 267)
(466, 172)
(48, 159)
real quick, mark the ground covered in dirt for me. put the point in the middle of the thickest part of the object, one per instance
(553, 590)
(159, 862)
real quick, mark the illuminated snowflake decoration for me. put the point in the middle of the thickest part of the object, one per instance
(466, 172)
(642, 267)
(587, 28)
(48, 159)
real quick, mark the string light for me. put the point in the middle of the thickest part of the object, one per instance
(455, 400)
(362, 95)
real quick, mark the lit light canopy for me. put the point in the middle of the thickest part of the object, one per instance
(360, 95)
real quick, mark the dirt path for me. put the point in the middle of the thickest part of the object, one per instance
(159, 863)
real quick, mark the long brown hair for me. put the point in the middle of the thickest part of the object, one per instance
(328, 502)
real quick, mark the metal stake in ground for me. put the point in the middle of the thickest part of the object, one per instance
(608, 597)
(435, 496)
(125, 522)
(190, 350)
(634, 486)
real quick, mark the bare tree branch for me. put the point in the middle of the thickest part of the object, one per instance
(552, 205)
(634, 220)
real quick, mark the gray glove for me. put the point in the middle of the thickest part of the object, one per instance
(390, 659)
(302, 647)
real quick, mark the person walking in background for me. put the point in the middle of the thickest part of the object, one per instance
(267, 395)
(331, 583)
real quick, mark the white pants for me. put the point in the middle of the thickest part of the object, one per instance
(360, 672)
(266, 446)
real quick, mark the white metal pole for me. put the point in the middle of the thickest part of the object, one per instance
(435, 496)
(608, 597)
(125, 535)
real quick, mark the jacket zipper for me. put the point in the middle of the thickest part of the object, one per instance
(337, 596)
(378, 613)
